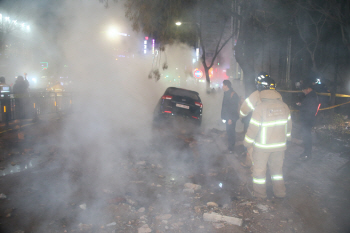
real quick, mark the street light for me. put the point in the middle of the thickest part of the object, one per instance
(179, 23)
(112, 32)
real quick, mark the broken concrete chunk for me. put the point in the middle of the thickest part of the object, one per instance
(111, 224)
(144, 229)
(141, 163)
(163, 217)
(212, 204)
(130, 202)
(214, 217)
(85, 227)
(2, 196)
(246, 203)
(263, 208)
(83, 206)
(188, 191)
(141, 210)
(192, 186)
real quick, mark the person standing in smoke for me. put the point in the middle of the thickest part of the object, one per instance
(267, 135)
(308, 110)
(4, 88)
(20, 93)
(248, 107)
(229, 113)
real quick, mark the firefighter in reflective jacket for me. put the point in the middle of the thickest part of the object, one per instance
(252, 101)
(268, 132)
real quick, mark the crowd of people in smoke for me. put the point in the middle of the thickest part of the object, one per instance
(18, 98)
(20, 94)
(268, 128)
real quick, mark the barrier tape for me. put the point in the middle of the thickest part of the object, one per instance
(334, 106)
(318, 93)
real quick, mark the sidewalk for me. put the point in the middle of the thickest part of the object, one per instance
(20, 123)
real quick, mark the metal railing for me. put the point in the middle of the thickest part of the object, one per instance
(34, 105)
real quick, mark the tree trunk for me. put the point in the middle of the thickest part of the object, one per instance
(207, 78)
(244, 52)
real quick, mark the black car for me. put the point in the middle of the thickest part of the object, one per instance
(178, 103)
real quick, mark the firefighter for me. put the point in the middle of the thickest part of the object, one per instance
(249, 105)
(267, 134)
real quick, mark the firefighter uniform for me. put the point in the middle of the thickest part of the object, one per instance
(247, 107)
(268, 132)
(249, 104)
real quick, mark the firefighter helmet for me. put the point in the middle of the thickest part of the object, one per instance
(264, 82)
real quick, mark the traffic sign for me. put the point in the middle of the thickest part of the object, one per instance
(198, 73)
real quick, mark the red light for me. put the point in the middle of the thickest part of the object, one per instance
(146, 38)
(167, 111)
(318, 108)
(195, 117)
(167, 97)
(198, 104)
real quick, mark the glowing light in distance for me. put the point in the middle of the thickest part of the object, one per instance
(112, 32)
(178, 23)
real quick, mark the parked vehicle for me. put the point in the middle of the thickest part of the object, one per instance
(180, 104)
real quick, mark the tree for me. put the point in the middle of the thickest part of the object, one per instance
(338, 12)
(223, 35)
(8, 26)
(260, 24)
(310, 25)
(328, 26)
(157, 18)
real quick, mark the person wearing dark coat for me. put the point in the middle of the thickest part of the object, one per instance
(20, 93)
(20, 88)
(230, 113)
(308, 109)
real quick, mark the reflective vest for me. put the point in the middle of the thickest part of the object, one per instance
(270, 126)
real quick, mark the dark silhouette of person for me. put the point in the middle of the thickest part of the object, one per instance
(230, 113)
(20, 93)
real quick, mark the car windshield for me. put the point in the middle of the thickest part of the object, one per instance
(184, 93)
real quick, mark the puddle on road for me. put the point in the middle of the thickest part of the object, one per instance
(10, 169)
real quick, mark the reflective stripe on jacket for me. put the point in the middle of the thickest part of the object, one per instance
(270, 126)
(251, 102)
